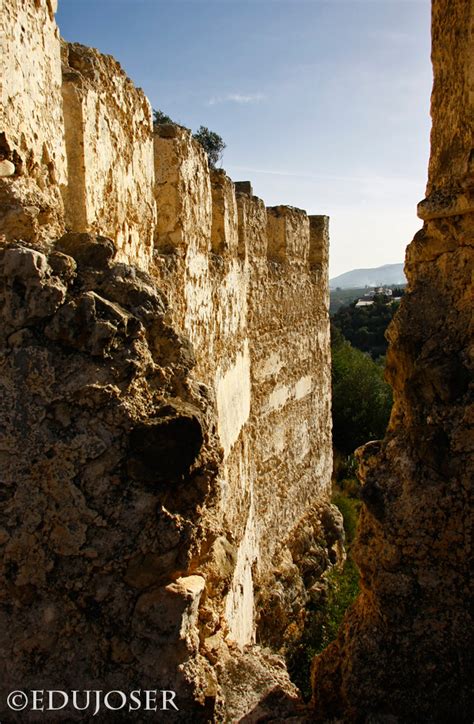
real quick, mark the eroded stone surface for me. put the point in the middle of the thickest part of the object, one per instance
(32, 144)
(108, 134)
(170, 401)
(94, 531)
(256, 313)
(404, 652)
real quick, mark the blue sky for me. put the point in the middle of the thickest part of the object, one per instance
(323, 104)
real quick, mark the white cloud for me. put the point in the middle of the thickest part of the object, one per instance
(236, 98)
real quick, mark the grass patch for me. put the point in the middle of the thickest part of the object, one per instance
(349, 508)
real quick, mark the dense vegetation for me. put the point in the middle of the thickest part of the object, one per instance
(365, 327)
(361, 399)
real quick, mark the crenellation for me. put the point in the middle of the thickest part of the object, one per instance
(243, 187)
(182, 191)
(288, 234)
(109, 142)
(252, 223)
(318, 242)
(224, 231)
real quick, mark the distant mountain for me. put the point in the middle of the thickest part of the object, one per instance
(377, 277)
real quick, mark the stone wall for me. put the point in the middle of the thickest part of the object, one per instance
(109, 142)
(404, 652)
(166, 349)
(32, 147)
(242, 288)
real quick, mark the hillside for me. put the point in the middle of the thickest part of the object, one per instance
(378, 276)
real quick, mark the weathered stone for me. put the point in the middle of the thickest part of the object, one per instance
(271, 384)
(87, 249)
(152, 393)
(243, 187)
(30, 292)
(24, 263)
(110, 154)
(32, 134)
(224, 235)
(404, 651)
(7, 168)
(256, 688)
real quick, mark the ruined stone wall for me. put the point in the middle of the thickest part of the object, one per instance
(76, 144)
(32, 147)
(109, 142)
(404, 652)
(165, 373)
(249, 287)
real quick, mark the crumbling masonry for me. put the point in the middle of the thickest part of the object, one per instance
(166, 448)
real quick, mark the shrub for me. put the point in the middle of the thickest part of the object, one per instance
(212, 143)
(160, 118)
(322, 622)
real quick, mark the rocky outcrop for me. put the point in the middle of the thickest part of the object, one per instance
(404, 653)
(96, 543)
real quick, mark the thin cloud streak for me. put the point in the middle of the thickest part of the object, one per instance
(317, 177)
(236, 98)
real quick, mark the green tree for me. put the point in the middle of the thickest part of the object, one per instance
(160, 118)
(365, 327)
(212, 143)
(362, 400)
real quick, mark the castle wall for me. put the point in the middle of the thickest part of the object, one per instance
(32, 146)
(185, 383)
(108, 129)
(291, 382)
(255, 310)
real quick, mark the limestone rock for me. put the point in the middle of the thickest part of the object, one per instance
(7, 168)
(404, 652)
(256, 688)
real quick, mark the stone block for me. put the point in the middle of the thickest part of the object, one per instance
(288, 234)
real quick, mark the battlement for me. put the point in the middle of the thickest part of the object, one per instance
(188, 194)
(288, 234)
(109, 145)
(182, 191)
(79, 141)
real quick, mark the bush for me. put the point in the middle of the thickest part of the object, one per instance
(160, 118)
(212, 143)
